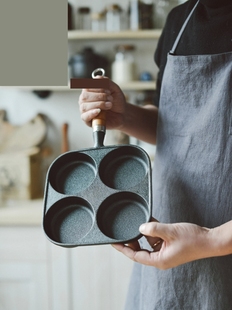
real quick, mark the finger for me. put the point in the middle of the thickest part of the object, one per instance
(147, 258)
(143, 256)
(88, 106)
(133, 245)
(97, 90)
(93, 96)
(154, 229)
(126, 250)
(155, 242)
(87, 117)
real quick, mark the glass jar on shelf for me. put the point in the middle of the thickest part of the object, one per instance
(113, 17)
(98, 21)
(123, 67)
(147, 15)
(84, 18)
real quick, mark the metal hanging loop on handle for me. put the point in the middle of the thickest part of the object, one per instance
(97, 71)
(99, 122)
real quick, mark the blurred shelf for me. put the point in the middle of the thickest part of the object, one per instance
(138, 85)
(21, 212)
(124, 34)
(134, 85)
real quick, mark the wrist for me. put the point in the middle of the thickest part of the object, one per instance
(221, 239)
(140, 122)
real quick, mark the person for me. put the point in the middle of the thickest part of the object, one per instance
(184, 260)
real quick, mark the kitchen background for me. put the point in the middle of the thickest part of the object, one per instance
(38, 124)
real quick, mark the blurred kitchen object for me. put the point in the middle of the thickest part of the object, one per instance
(113, 17)
(84, 18)
(162, 8)
(98, 21)
(20, 159)
(147, 15)
(20, 138)
(145, 97)
(70, 17)
(141, 14)
(120, 137)
(20, 175)
(83, 63)
(123, 67)
(64, 141)
(145, 76)
(134, 14)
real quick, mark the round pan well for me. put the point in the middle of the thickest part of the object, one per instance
(69, 220)
(124, 168)
(72, 173)
(121, 214)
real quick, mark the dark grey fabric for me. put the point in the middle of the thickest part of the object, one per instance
(191, 181)
(209, 32)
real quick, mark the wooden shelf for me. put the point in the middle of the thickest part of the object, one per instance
(134, 85)
(124, 34)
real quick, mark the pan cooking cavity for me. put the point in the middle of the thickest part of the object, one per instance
(123, 168)
(121, 214)
(72, 173)
(69, 220)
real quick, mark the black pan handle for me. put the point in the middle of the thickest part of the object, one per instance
(99, 129)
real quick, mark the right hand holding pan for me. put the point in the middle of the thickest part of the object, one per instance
(112, 100)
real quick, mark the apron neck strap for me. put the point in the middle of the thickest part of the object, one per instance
(182, 30)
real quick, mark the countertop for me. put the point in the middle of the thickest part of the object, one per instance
(21, 212)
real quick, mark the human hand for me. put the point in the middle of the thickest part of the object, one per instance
(179, 243)
(112, 100)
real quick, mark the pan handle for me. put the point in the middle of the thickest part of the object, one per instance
(99, 123)
(99, 129)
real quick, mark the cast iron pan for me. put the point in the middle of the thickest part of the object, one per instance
(99, 195)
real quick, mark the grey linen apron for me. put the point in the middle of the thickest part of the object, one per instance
(192, 181)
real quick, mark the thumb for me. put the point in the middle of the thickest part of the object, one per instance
(154, 229)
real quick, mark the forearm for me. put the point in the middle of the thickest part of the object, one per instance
(141, 122)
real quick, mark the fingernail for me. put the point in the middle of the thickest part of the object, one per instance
(142, 228)
(108, 92)
(108, 104)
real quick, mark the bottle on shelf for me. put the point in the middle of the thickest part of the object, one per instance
(84, 18)
(98, 21)
(113, 18)
(123, 67)
(134, 14)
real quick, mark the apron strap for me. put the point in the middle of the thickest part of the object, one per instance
(182, 30)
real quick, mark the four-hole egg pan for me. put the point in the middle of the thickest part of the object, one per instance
(97, 196)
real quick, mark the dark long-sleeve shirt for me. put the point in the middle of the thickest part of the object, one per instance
(209, 31)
